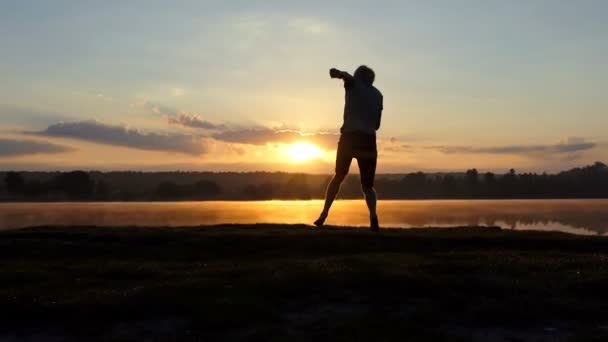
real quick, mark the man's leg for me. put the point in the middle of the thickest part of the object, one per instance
(330, 195)
(370, 200)
(367, 170)
(343, 160)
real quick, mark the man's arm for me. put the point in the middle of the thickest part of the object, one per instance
(380, 113)
(343, 75)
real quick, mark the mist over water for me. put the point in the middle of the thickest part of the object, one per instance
(573, 216)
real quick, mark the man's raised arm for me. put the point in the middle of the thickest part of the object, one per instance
(343, 75)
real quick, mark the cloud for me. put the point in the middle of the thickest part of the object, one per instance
(396, 148)
(104, 97)
(576, 148)
(157, 108)
(560, 148)
(177, 92)
(194, 121)
(309, 25)
(16, 148)
(176, 117)
(262, 136)
(95, 131)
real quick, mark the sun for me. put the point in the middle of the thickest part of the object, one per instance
(302, 151)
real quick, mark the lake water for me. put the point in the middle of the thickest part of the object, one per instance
(573, 216)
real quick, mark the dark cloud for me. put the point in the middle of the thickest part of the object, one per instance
(193, 121)
(95, 131)
(182, 118)
(262, 136)
(517, 149)
(566, 148)
(15, 148)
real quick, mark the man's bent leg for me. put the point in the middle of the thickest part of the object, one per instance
(343, 160)
(330, 195)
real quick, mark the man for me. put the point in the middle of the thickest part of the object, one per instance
(362, 112)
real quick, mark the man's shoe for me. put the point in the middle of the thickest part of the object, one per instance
(320, 221)
(374, 226)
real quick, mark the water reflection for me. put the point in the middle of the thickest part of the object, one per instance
(575, 216)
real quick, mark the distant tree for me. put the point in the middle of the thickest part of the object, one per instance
(127, 196)
(168, 190)
(296, 187)
(14, 183)
(322, 187)
(508, 184)
(206, 188)
(75, 184)
(250, 192)
(102, 190)
(267, 190)
(448, 186)
(351, 188)
(472, 177)
(388, 189)
(489, 184)
(35, 188)
(489, 178)
(472, 182)
(414, 185)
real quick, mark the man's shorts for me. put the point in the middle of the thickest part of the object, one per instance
(362, 147)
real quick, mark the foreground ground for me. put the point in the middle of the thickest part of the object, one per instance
(294, 283)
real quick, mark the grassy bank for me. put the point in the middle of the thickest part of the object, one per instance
(293, 283)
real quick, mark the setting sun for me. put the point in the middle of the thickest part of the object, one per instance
(303, 151)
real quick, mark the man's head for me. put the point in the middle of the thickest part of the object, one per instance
(365, 74)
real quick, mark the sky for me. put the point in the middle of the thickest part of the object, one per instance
(244, 85)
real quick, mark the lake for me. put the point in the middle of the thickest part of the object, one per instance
(573, 216)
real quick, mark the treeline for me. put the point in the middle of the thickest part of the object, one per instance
(80, 185)
(586, 182)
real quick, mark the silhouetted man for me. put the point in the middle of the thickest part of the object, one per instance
(362, 112)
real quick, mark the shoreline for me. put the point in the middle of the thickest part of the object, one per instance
(230, 200)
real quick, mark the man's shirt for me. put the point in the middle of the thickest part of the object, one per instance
(362, 108)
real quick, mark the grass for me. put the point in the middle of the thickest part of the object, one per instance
(295, 283)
